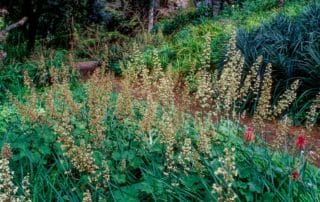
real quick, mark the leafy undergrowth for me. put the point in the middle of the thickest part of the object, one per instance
(94, 144)
(180, 40)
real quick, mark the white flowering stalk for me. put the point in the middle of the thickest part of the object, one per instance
(228, 172)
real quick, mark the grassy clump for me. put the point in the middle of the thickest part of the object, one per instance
(292, 46)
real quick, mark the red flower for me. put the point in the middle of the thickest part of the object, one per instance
(249, 134)
(301, 142)
(295, 175)
(281, 1)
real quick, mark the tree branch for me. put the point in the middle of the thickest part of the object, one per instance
(20, 23)
(3, 12)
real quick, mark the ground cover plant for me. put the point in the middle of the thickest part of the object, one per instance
(100, 141)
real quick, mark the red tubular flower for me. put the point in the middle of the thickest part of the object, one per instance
(295, 175)
(301, 142)
(281, 1)
(249, 134)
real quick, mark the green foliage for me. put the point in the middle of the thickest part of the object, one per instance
(180, 40)
(263, 174)
(292, 46)
(184, 50)
(11, 75)
(170, 26)
(259, 5)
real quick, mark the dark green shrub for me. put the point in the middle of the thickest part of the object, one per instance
(259, 5)
(178, 22)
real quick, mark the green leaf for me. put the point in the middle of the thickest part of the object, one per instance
(36, 156)
(147, 188)
(240, 185)
(244, 172)
(116, 155)
(255, 187)
(44, 149)
(119, 178)
(136, 162)
(267, 197)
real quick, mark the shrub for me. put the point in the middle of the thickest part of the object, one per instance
(173, 25)
(259, 5)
